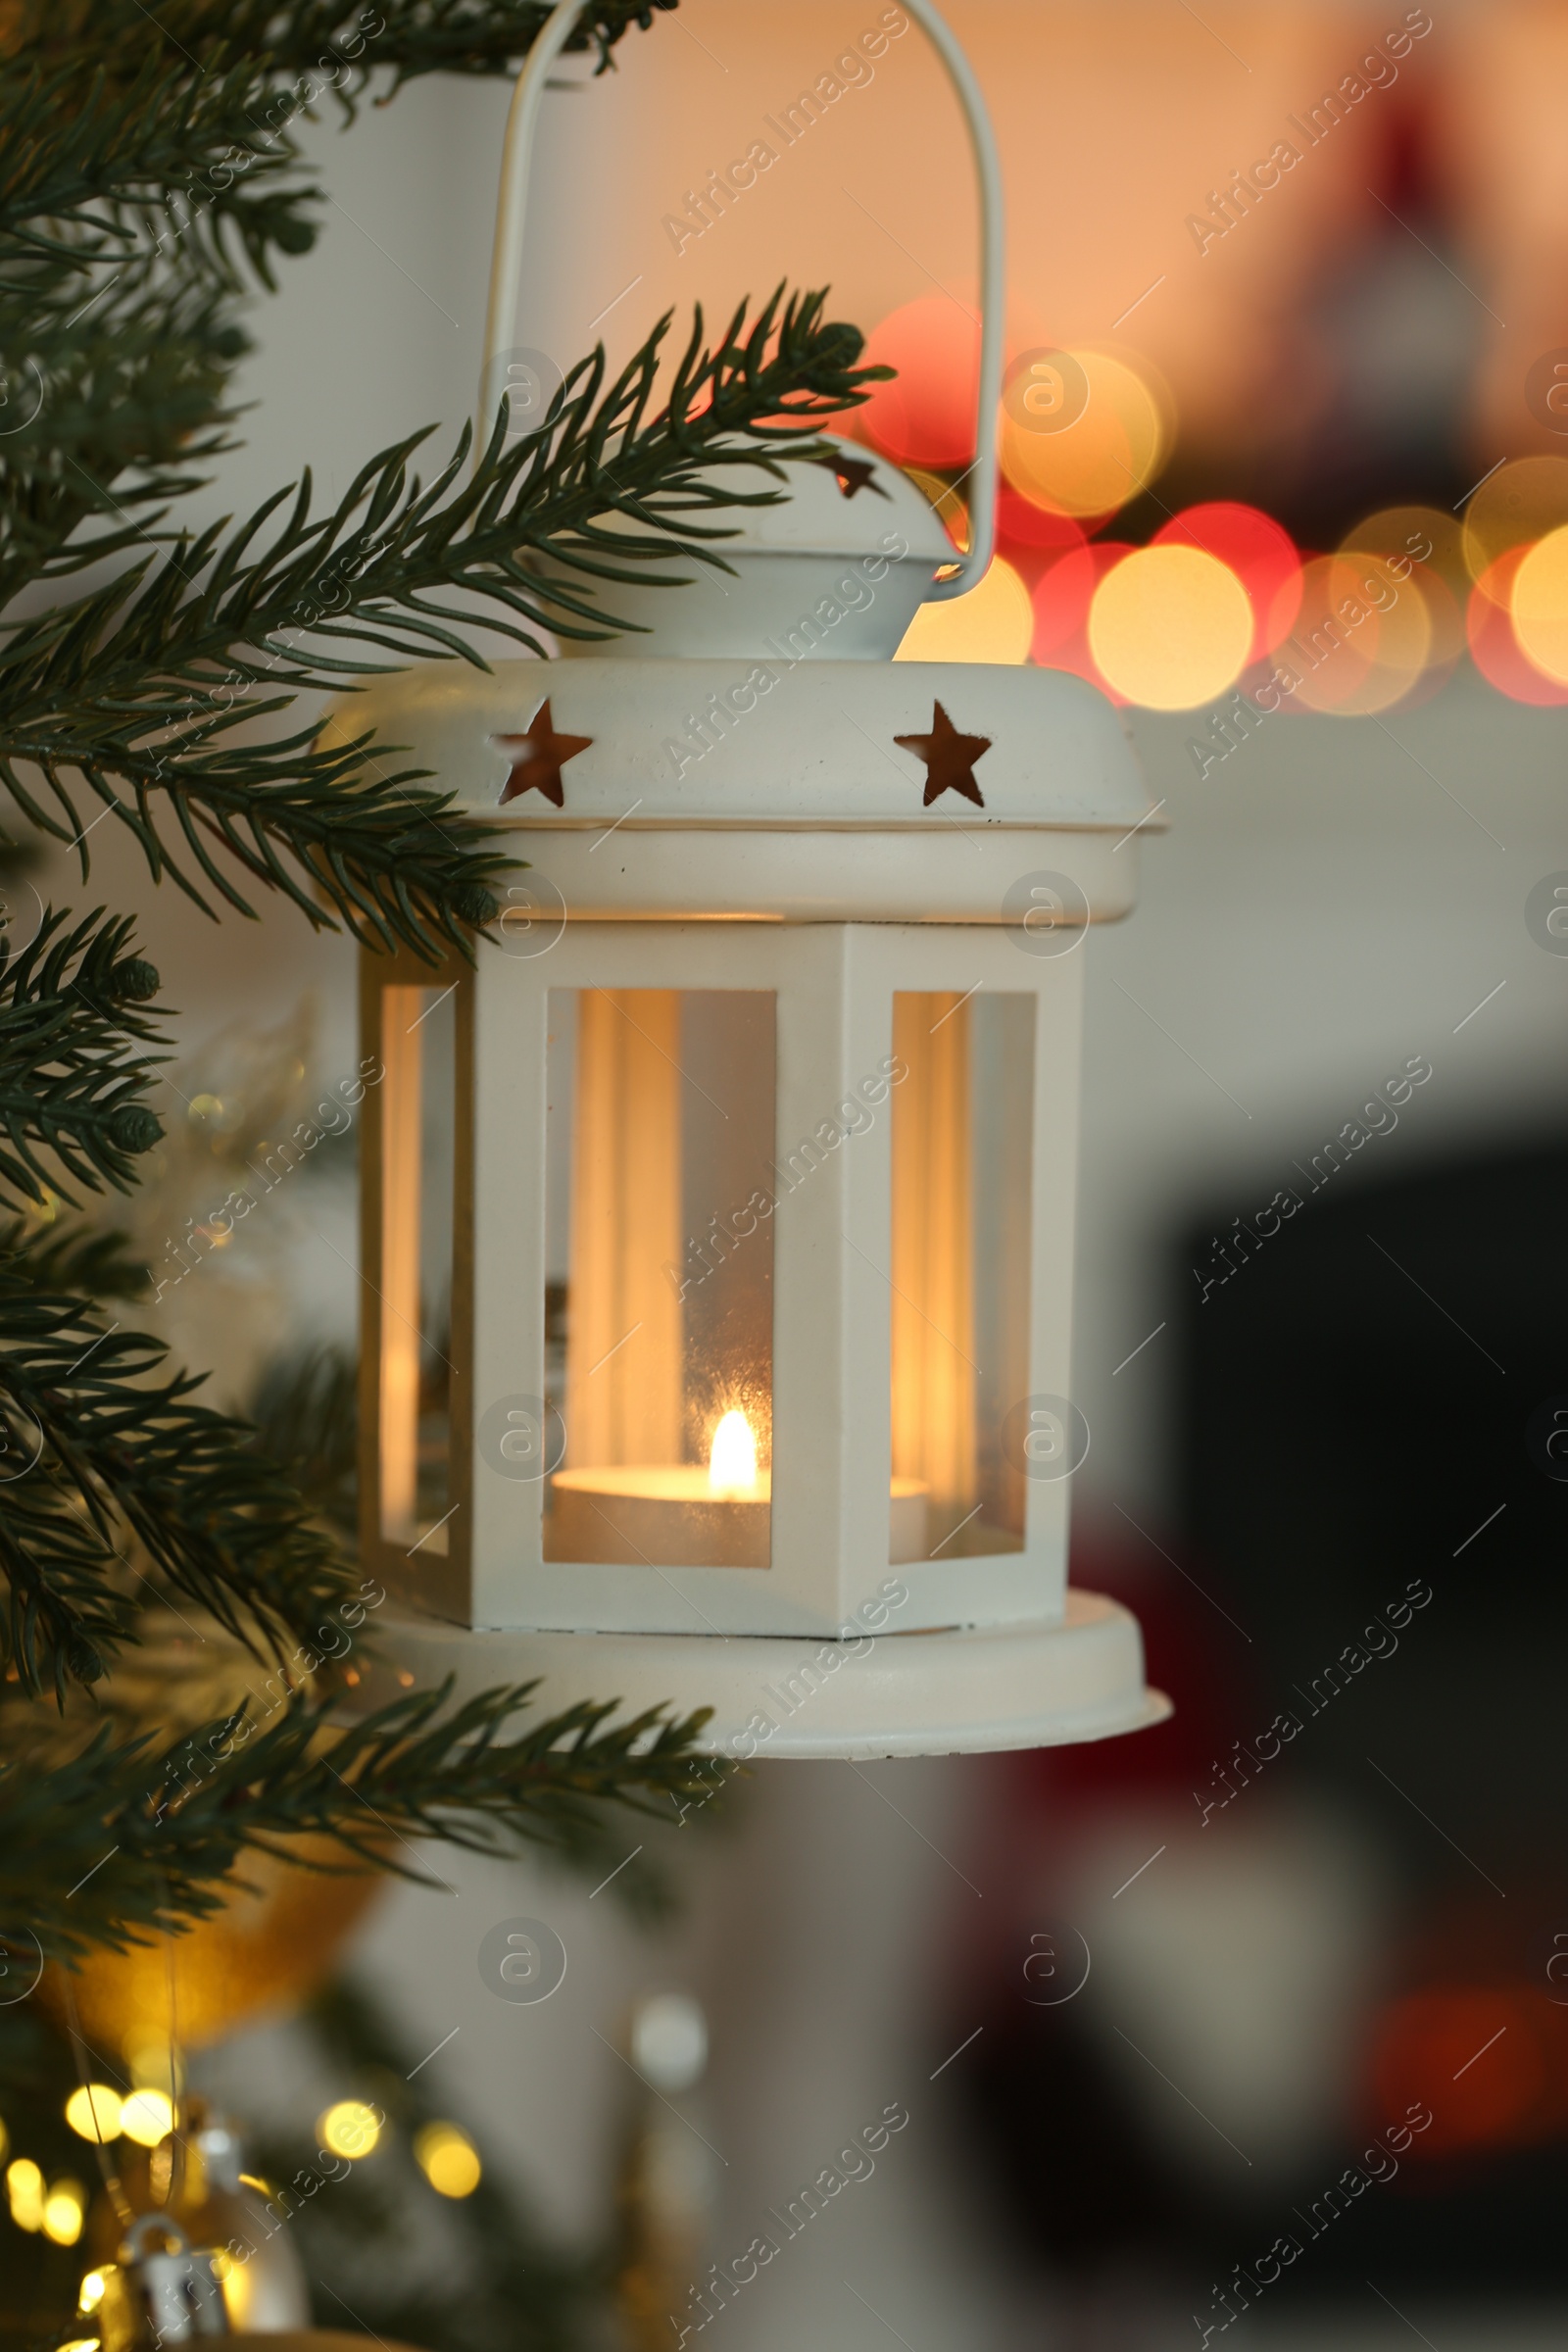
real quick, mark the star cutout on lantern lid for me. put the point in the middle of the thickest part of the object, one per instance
(852, 474)
(538, 758)
(948, 758)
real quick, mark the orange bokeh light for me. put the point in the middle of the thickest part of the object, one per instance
(1113, 447)
(1432, 2049)
(1171, 628)
(1258, 550)
(1494, 649)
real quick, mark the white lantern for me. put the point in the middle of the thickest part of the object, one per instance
(717, 1227)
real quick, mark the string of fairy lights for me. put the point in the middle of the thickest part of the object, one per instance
(1220, 601)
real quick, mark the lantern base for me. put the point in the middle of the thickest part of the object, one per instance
(965, 1690)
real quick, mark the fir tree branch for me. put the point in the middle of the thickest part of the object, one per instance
(145, 680)
(108, 1450)
(73, 1065)
(124, 1839)
(91, 1261)
(410, 38)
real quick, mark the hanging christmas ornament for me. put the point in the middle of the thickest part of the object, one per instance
(163, 2290)
(277, 1935)
(719, 1226)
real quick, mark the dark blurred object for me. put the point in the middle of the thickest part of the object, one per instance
(1359, 1402)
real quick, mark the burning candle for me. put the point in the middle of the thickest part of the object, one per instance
(683, 1514)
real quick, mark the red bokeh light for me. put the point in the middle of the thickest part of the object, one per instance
(1493, 647)
(927, 415)
(1061, 600)
(1258, 550)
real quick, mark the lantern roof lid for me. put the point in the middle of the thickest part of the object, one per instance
(774, 743)
(850, 504)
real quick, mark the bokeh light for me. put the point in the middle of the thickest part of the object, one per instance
(1493, 647)
(1062, 596)
(1170, 627)
(147, 2117)
(1419, 534)
(93, 2286)
(1110, 451)
(1519, 501)
(24, 2189)
(1258, 550)
(448, 2159)
(1432, 2035)
(992, 622)
(349, 2129)
(1539, 603)
(63, 2211)
(93, 2112)
(926, 417)
(1366, 633)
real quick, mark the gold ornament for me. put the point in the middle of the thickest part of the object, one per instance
(283, 1922)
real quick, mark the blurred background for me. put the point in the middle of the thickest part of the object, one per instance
(1289, 306)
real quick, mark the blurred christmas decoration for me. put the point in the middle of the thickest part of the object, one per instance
(669, 2172)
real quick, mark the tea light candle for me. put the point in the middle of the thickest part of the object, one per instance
(678, 1514)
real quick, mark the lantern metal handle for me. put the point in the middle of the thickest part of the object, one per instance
(506, 267)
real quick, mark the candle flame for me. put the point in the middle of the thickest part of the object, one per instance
(732, 1463)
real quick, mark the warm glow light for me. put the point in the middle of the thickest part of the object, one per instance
(93, 2111)
(147, 2117)
(1540, 602)
(1493, 647)
(349, 2129)
(1363, 637)
(1422, 536)
(92, 2291)
(24, 2189)
(732, 1463)
(1258, 550)
(1518, 503)
(926, 415)
(1170, 627)
(1113, 447)
(63, 2212)
(992, 623)
(448, 2158)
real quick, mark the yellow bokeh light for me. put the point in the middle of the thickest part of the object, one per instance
(1539, 605)
(92, 2291)
(448, 2159)
(1170, 627)
(1409, 535)
(82, 2344)
(63, 2211)
(1519, 501)
(992, 623)
(147, 2117)
(24, 2189)
(1113, 447)
(349, 2129)
(93, 2112)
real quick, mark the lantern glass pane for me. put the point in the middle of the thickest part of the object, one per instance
(419, 1122)
(963, 1170)
(659, 1302)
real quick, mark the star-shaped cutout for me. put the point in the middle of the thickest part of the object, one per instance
(538, 758)
(852, 474)
(948, 758)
